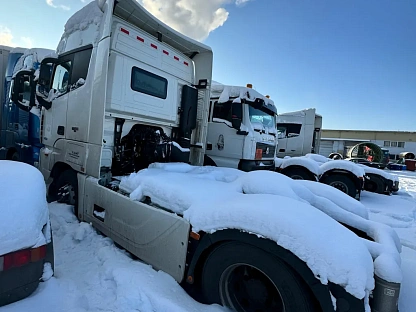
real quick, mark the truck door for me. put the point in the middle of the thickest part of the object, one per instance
(227, 145)
(290, 140)
(77, 121)
(55, 117)
(282, 140)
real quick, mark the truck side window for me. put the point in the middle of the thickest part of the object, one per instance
(81, 65)
(148, 83)
(222, 111)
(288, 130)
(61, 77)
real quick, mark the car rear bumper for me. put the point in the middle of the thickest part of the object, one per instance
(18, 283)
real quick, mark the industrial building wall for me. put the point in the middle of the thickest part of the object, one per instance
(395, 141)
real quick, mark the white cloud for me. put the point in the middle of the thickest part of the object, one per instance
(241, 2)
(60, 6)
(195, 19)
(6, 37)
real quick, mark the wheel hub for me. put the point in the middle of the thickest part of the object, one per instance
(66, 194)
(340, 186)
(245, 288)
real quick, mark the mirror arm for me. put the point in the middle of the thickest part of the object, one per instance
(23, 107)
(43, 102)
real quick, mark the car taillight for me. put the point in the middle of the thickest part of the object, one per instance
(22, 257)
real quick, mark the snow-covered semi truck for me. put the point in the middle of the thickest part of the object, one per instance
(19, 122)
(127, 91)
(299, 133)
(241, 129)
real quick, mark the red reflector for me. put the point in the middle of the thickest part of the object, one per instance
(125, 31)
(186, 63)
(140, 39)
(21, 258)
(176, 58)
(166, 52)
(153, 46)
(259, 153)
(38, 253)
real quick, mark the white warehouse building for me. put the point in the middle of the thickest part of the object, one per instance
(340, 141)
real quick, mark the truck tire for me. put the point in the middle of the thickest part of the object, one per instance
(375, 185)
(67, 189)
(342, 183)
(245, 278)
(298, 174)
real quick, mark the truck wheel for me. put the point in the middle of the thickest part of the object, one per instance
(245, 278)
(341, 182)
(375, 185)
(298, 174)
(67, 189)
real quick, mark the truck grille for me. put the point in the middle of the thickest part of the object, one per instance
(267, 149)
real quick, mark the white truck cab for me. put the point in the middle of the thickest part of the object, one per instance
(299, 133)
(241, 129)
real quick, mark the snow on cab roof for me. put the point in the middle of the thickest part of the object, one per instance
(224, 93)
(296, 215)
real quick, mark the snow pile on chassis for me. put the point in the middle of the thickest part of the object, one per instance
(297, 215)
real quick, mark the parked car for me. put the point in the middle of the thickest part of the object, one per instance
(26, 247)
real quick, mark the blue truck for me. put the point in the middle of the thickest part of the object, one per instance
(20, 117)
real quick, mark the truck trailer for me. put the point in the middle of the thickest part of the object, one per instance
(126, 100)
(19, 123)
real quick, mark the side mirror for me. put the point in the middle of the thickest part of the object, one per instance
(236, 123)
(188, 112)
(45, 73)
(236, 115)
(22, 91)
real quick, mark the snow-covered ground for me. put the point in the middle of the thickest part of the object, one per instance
(92, 274)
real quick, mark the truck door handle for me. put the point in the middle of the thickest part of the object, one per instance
(282, 150)
(61, 130)
(75, 129)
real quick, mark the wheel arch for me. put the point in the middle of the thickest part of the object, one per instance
(208, 161)
(311, 175)
(357, 181)
(320, 292)
(58, 168)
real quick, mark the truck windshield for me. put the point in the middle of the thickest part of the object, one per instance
(258, 116)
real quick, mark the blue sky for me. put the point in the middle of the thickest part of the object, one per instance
(354, 61)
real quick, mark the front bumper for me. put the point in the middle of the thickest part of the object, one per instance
(251, 165)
